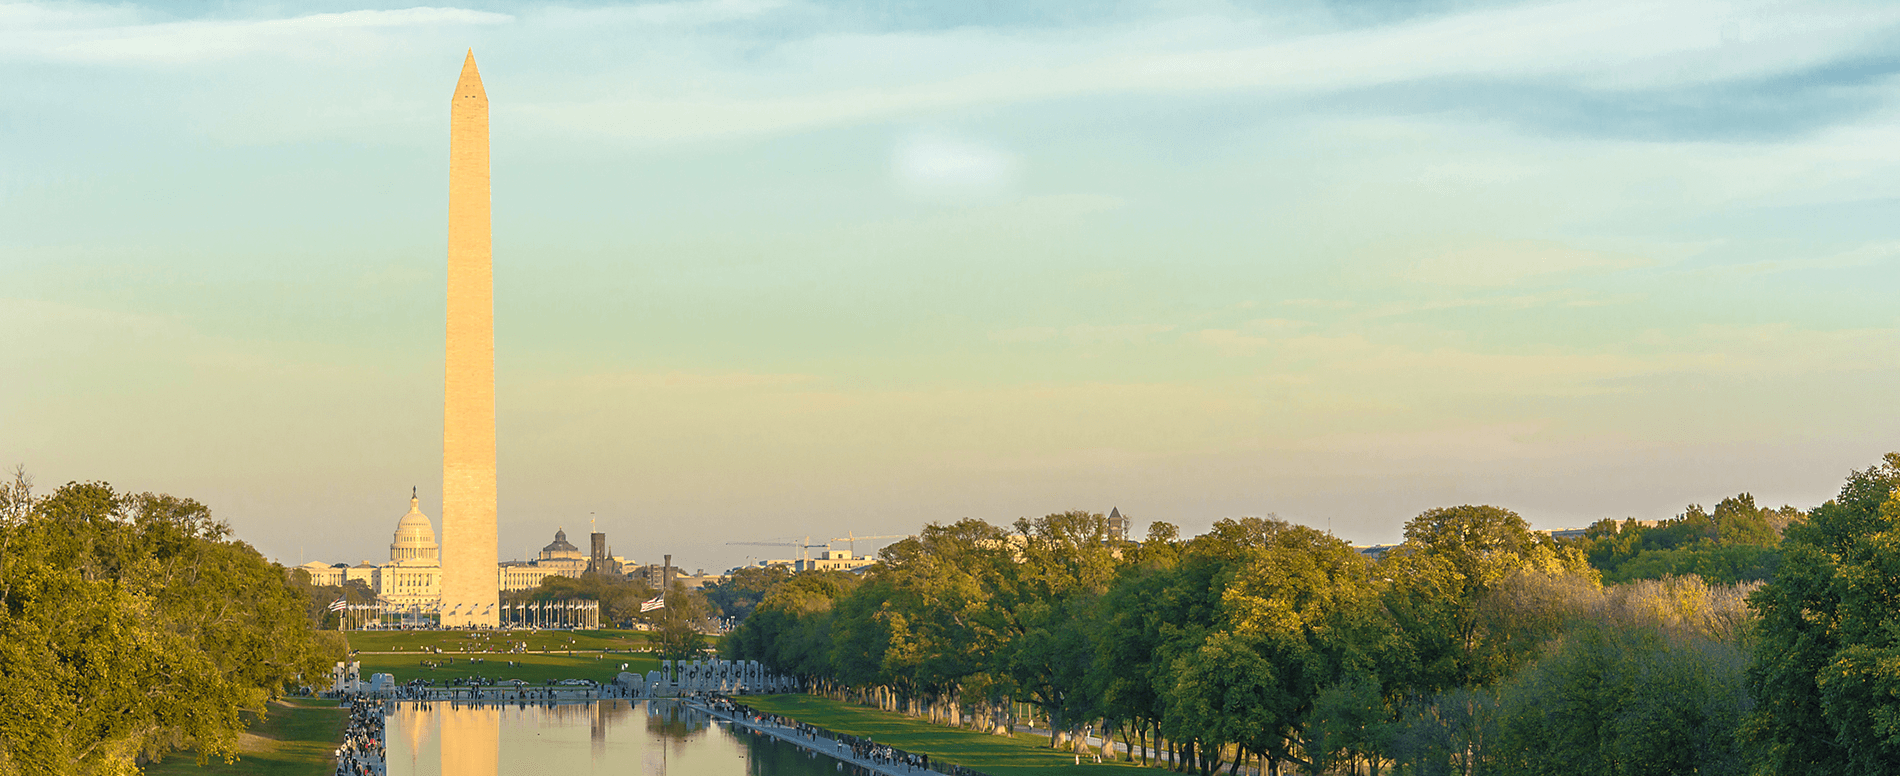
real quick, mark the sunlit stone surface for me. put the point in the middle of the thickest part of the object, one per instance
(469, 596)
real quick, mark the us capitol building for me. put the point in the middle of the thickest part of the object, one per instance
(413, 575)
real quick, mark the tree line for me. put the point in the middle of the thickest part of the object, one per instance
(133, 625)
(1738, 640)
(676, 631)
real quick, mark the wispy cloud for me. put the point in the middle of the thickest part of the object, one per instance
(752, 75)
(936, 165)
(1511, 262)
(93, 36)
(673, 16)
(1597, 46)
(1085, 334)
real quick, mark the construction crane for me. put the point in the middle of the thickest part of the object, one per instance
(804, 547)
(853, 539)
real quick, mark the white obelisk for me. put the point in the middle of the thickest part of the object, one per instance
(469, 583)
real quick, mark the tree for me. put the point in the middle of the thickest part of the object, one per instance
(677, 635)
(1066, 563)
(1447, 734)
(317, 599)
(790, 629)
(1129, 637)
(1825, 674)
(1736, 542)
(1349, 722)
(1738, 522)
(1227, 639)
(1650, 682)
(939, 609)
(744, 589)
(1452, 562)
(132, 625)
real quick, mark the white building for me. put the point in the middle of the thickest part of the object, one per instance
(415, 537)
(323, 574)
(833, 560)
(521, 575)
(412, 578)
(364, 572)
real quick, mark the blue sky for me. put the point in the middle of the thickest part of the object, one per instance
(769, 269)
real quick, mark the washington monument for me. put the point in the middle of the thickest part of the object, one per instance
(469, 584)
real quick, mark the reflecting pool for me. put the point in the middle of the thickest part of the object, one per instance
(615, 736)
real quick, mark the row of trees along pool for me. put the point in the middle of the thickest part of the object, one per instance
(1726, 641)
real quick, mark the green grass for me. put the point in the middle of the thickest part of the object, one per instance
(1021, 755)
(297, 737)
(533, 668)
(458, 642)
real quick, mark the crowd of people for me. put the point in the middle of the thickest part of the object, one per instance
(879, 754)
(362, 751)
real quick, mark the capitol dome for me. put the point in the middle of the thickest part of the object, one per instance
(415, 537)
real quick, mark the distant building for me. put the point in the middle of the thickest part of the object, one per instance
(600, 558)
(412, 578)
(565, 558)
(559, 558)
(1117, 525)
(364, 572)
(521, 574)
(652, 572)
(412, 582)
(696, 580)
(833, 560)
(1015, 543)
(415, 537)
(324, 574)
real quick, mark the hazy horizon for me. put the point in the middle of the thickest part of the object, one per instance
(769, 269)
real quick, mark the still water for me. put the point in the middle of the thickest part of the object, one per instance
(616, 736)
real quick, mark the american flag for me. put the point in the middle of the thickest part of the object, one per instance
(659, 601)
(338, 605)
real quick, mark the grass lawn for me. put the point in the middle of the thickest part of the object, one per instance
(999, 755)
(533, 668)
(297, 737)
(494, 641)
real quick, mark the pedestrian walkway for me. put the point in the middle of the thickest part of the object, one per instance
(861, 753)
(362, 752)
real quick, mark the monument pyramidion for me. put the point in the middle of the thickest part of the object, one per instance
(469, 585)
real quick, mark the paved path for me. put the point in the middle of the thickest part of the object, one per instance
(820, 745)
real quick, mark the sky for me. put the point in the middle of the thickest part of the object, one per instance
(768, 270)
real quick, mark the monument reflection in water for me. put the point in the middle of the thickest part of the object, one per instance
(616, 736)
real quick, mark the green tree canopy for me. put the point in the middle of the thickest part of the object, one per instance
(744, 589)
(1453, 564)
(1827, 663)
(132, 625)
